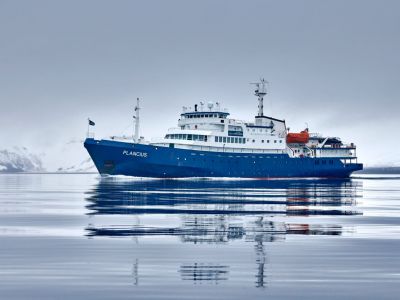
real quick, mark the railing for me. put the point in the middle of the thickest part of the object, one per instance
(190, 146)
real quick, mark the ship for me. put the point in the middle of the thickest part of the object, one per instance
(208, 143)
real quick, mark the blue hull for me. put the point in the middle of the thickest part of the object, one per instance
(121, 158)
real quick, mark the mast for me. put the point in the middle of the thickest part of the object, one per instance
(137, 121)
(260, 92)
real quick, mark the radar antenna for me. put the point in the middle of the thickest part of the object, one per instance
(260, 92)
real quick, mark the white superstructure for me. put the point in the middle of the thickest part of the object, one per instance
(208, 127)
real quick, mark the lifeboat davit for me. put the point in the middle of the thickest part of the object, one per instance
(298, 138)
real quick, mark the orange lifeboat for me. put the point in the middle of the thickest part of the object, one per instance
(298, 138)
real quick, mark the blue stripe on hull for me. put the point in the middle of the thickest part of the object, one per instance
(120, 158)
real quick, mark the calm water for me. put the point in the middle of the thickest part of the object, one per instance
(82, 236)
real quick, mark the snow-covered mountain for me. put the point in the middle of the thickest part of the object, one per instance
(20, 159)
(67, 157)
(83, 167)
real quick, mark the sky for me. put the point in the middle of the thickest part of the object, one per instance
(332, 64)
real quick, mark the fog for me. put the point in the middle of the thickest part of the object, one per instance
(332, 64)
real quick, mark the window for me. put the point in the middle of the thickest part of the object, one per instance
(190, 137)
(280, 141)
(254, 141)
(275, 141)
(267, 141)
(224, 139)
(216, 139)
(236, 140)
(262, 141)
(220, 139)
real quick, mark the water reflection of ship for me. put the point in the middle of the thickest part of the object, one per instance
(221, 211)
(200, 272)
(289, 197)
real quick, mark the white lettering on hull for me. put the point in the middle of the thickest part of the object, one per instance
(134, 153)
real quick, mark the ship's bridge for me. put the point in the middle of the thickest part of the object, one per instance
(212, 117)
(204, 115)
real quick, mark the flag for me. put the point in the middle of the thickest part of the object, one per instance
(91, 123)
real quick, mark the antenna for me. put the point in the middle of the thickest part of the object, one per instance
(260, 92)
(136, 122)
(201, 105)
